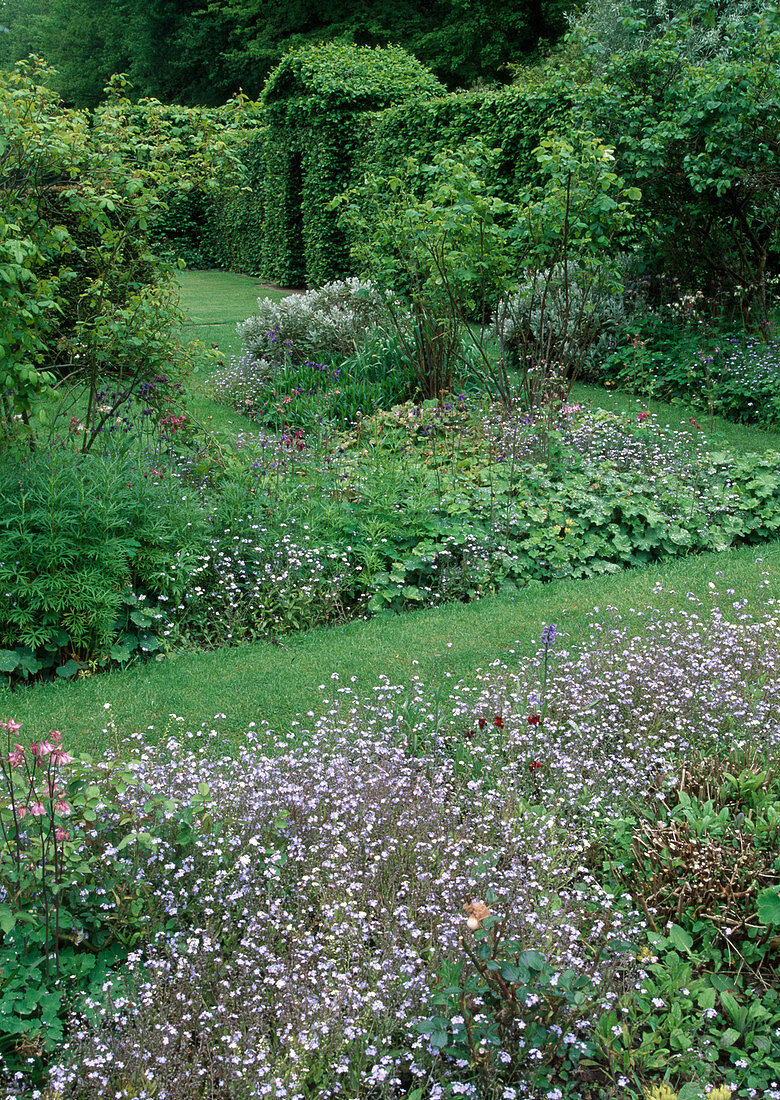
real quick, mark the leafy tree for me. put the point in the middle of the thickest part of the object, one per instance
(23, 27)
(462, 41)
(203, 51)
(83, 297)
(701, 138)
(437, 233)
(704, 27)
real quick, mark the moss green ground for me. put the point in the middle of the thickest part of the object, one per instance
(272, 683)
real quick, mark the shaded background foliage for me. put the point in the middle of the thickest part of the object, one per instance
(196, 51)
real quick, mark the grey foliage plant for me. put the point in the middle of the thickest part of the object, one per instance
(705, 28)
(566, 314)
(332, 320)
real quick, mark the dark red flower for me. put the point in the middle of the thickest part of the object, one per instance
(534, 766)
(482, 722)
(534, 719)
(498, 722)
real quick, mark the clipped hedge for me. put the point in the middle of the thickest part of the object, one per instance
(683, 131)
(313, 101)
(511, 121)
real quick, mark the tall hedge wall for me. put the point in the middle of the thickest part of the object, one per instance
(312, 104)
(700, 138)
(511, 120)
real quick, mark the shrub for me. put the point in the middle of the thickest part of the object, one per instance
(325, 324)
(88, 298)
(439, 233)
(82, 537)
(565, 314)
(667, 354)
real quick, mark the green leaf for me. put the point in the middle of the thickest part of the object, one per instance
(9, 660)
(680, 938)
(729, 1037)
(729, 1002)
(70, 668)
(769, 906)
(8, 918)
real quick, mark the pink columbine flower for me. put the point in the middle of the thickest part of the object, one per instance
(37, 809)
(62, 834)
(40, 749)
(12, 726)
(60, 757)
(16, 758)
(642, 417)
(62, 807)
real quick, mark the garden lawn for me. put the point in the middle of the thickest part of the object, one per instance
(213, 303)
(273, 684)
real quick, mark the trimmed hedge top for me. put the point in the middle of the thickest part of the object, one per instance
(339, 76)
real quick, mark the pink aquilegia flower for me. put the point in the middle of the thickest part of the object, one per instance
(39, 749)
(62, 807)
(62, 834)
(16, 758)
(642, 417)
(60, 757)
(37, 809)
(12, 726)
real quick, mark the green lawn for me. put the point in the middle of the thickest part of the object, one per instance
(214, 302)
(221, 297)
(274, 683)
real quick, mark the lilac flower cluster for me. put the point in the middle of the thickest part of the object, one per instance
(239, 384)
(305, 931)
